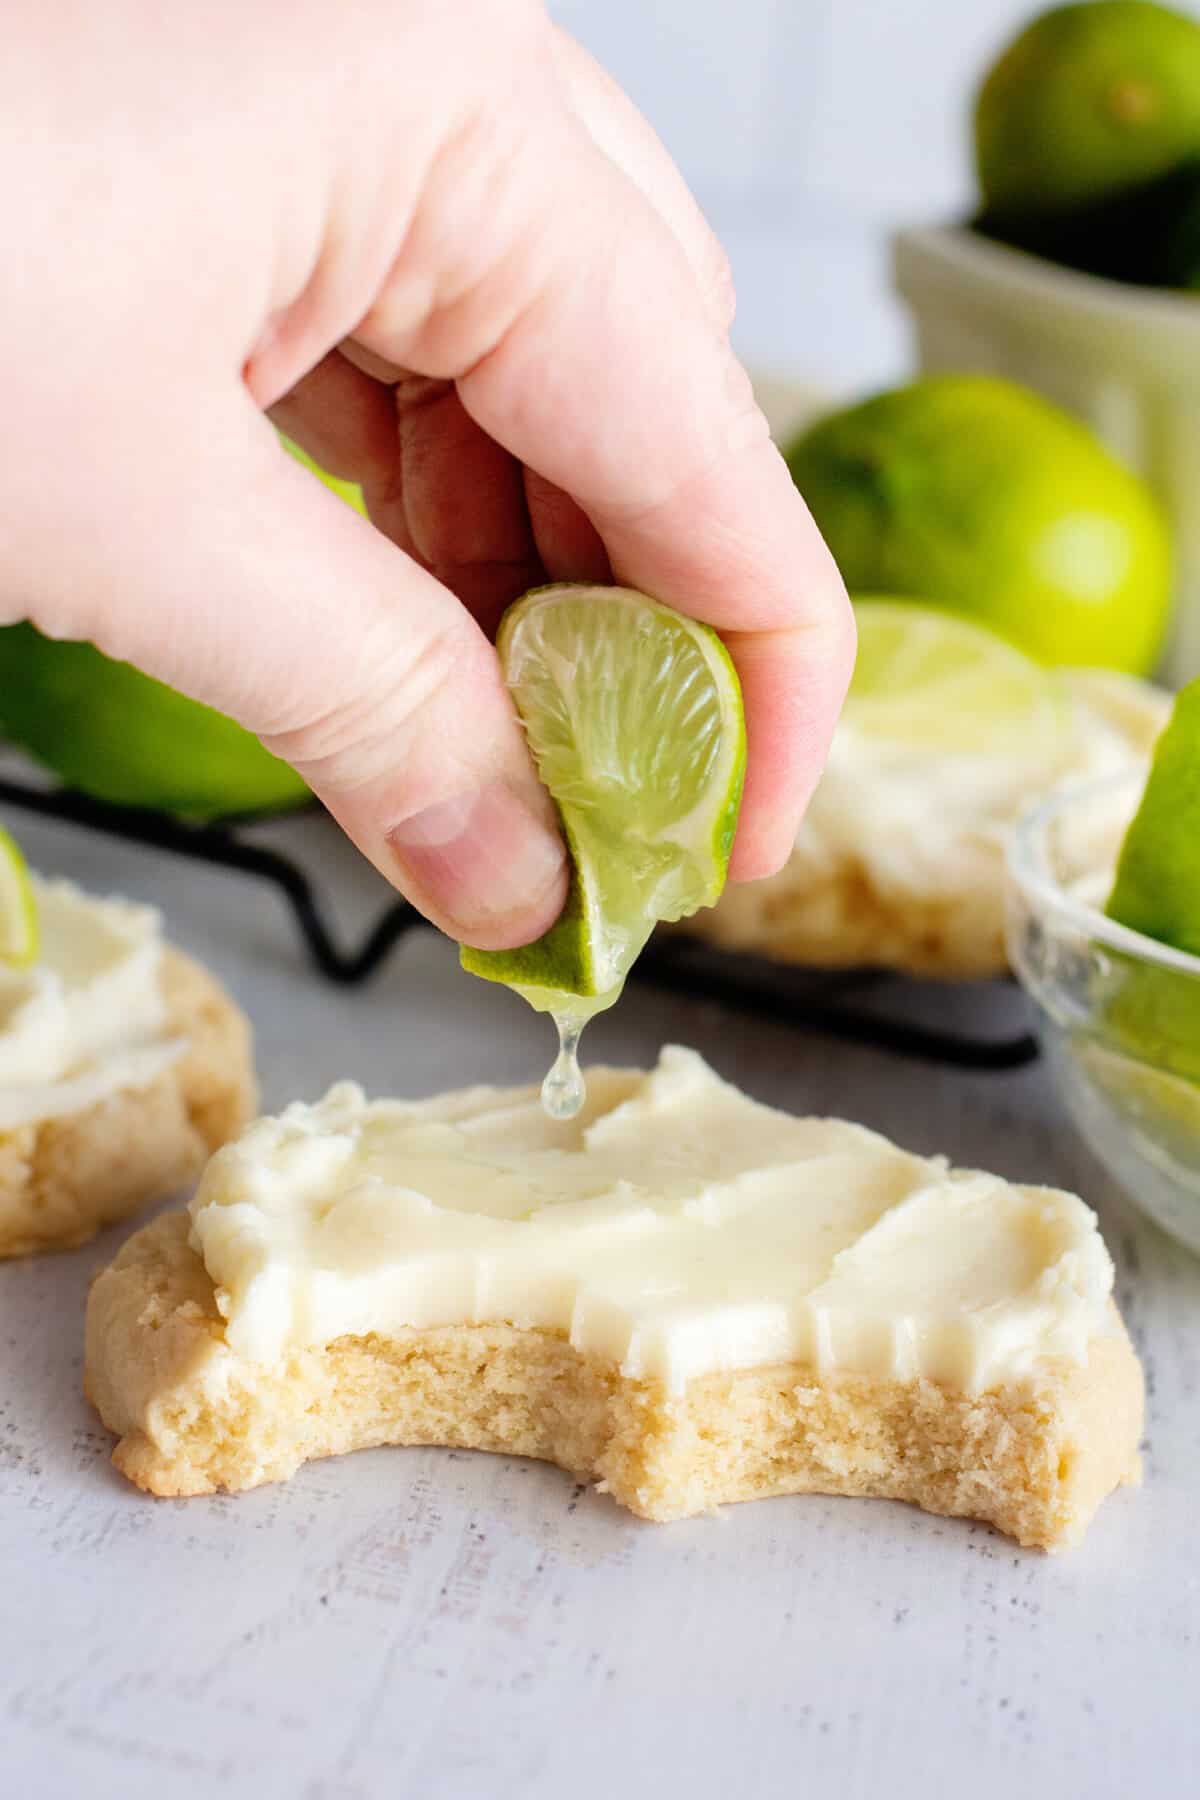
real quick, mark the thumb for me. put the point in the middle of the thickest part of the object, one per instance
(246, 584)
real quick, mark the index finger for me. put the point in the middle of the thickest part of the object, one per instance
(615, 386)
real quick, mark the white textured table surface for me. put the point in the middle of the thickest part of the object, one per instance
(460, 1627)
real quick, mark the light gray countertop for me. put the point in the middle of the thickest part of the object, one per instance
(462, 1627)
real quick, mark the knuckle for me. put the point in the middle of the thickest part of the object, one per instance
(403, 696)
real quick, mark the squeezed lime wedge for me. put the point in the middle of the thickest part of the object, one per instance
(634, 717)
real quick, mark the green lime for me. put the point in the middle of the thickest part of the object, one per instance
(18, 908)
(349, 491)
(1160, 1107)
(634, 717)
(1152, 1014)
(977, 495)
(1086, 101)
(1157, 886)
(1153, 1010)
(104, 728)
(112, 732)
(927, 681)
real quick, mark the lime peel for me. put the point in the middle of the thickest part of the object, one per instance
(1155, 1011)
(1157, 885)
(349, 491)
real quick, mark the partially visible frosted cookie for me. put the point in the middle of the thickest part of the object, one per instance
(682, 1295)
(900, 860)
(123, 1065)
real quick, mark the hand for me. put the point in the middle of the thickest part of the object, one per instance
(438, 246)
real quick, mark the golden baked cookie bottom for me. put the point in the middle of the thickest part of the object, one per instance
(194, 1417)
(843, 918)
(62, 1180)
(841, 906)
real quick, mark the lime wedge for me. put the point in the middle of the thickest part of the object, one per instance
(1157, 887)
(1154, 1010)
(1163, 1107)
(634, 717)
(929, 682)
(18, 908)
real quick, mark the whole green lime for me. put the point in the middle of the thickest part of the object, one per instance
(980, 496)
(1087, 100)
(112, 732)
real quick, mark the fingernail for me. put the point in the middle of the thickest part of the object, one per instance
(484, 866)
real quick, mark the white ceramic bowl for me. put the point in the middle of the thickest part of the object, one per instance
(1125, 359)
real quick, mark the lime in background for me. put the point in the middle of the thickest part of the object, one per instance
(978, 495)
(1087, 101)
(120, 736)
(114, 733)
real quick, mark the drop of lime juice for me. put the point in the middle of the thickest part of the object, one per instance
(564, 1090)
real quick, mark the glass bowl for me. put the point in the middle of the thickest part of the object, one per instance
(1119, 1013)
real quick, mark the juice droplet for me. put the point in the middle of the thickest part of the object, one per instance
(563, 1091)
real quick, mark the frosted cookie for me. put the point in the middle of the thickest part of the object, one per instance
(900, 861)
(123, 1064)
(682, 1295)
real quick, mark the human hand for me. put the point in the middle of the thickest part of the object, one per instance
(451, 260)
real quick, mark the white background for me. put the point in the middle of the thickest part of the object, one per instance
(808, 128)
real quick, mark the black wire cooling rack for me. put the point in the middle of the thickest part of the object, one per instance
(860, 1006)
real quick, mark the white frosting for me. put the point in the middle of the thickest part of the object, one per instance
(88, 1018)
(925, 820)
(675, 1227)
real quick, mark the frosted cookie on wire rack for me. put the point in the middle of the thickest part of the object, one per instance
(123, 1065)
(948, 735)
(680, 1294)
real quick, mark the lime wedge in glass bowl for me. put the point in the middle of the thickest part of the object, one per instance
(1118, 1009)
(634, 717)
(1155, 1012)
(1157, 887)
